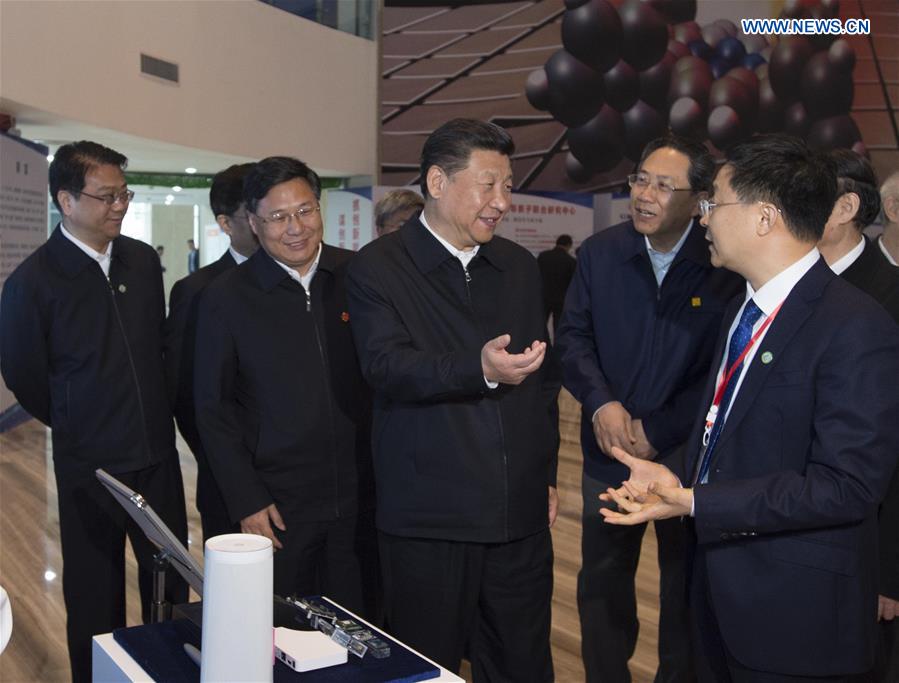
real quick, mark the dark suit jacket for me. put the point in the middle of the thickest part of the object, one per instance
(179, 342)
(624, 338)
(874, 275)
(788, 519)
(454, 459)
(556, 270)
(282, 409)
(83, 354)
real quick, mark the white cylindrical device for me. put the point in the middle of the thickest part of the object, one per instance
(237, 610)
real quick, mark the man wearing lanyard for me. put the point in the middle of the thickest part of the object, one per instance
(784, 476)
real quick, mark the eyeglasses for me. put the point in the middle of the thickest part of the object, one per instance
(664, 187)
(705, 206)
(111, 199)
(281, 217)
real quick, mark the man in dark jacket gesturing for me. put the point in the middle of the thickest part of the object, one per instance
(448, 325)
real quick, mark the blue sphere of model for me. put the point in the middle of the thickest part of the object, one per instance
(731, 50)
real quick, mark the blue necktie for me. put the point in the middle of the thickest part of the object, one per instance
(738, 341)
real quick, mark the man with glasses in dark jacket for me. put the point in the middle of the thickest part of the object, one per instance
(81, 349)
(636, 342)
(282, 409)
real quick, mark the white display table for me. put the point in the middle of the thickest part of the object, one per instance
(112, 664)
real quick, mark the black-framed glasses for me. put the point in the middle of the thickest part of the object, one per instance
(111, 199)
(281, 217)
(664, 186)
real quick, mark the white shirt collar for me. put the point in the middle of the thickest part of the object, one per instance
(885, 252)
(770, 295)
(103, 259)
(464, 257)
(238, 257)
(304, 280)
(848, 259)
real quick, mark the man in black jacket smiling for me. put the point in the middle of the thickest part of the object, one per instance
(281, 407)
(81, 349)
(448, 321)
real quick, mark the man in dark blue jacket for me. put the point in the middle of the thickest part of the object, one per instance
(81, 349)
(636, 340)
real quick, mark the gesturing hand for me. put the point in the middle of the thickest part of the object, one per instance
(501, 366)
(651, 492)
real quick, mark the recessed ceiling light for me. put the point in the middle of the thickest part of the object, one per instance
(49, 157)
(190, 169)
(176, 188)
(49, 575)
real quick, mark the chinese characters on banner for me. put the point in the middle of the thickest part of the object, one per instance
(23, 213)
(348, 217)
(535, 220)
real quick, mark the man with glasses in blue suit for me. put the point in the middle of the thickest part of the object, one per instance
(782, 479)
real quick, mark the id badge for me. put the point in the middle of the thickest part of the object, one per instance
(710, 418)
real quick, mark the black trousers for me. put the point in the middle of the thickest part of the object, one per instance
(886, 657)
(886, 667)
(93, 527)
(494, 598)
(336, 558)
(607, 600)
(714, 662)
(214, 518)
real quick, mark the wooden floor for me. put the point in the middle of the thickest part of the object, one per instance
(30, 565)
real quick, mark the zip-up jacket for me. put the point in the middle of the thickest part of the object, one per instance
(83, 354)
(454, 459)
(281, 406)
(624, 338)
